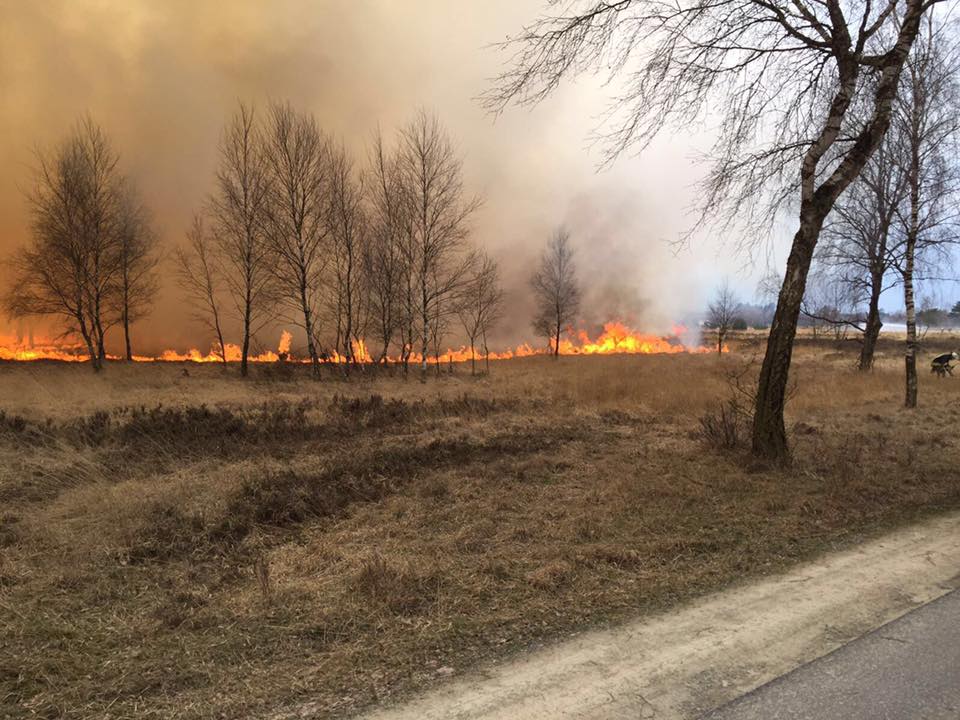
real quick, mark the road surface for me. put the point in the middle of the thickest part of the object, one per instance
(908, 669)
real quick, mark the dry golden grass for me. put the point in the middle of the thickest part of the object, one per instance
(280, 547)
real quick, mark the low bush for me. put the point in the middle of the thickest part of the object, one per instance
(722, 429)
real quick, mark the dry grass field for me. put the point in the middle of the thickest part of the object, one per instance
(197, 546)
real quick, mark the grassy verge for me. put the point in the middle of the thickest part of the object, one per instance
(289, 545)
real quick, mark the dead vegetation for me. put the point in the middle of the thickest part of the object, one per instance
(200, 547)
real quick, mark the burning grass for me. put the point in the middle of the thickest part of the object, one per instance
(615, 337)
(203, 547)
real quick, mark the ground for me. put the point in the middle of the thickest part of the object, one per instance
(204, 546)
(745, 643)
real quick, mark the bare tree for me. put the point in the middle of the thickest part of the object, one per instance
(859, 240)
(768, 289)
(384, 269)
(722, 311)
(297, 160)
(69, 267)
(804, 91)
(556, 290)
(138, 256)
(830, 302)
(199, 276)
(98, 186)
(238, 212)
(481, 306)
(438, 222)
(927, 125)
(347, 224)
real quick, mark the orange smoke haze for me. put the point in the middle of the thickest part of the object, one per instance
(162, 78)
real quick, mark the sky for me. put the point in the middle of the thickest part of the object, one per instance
(162, 78)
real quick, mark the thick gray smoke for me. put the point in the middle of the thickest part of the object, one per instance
(161, 78)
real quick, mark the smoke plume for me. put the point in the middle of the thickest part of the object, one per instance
(162, 78)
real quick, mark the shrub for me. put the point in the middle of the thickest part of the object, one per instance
(90, 430)
(723, 429)
(14, 424)
(21, 431)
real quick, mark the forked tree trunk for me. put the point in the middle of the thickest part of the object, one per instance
(871, 331)
(308, 326)
(223, 348)
(96, 328)
(126, 333)
(101, 342)
(88, 341)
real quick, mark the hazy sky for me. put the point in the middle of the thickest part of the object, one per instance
(162, 77)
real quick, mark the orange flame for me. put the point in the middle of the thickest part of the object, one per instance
(13, 348)
(616, 338)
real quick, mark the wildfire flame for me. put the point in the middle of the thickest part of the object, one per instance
(616, 338)
(12, 348)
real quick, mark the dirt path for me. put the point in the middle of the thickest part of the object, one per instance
(682, 663)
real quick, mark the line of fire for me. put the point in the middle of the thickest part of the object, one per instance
(615, 338)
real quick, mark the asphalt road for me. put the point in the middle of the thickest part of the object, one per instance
(908, 669)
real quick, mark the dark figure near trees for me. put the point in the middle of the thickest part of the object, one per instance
(941, 364)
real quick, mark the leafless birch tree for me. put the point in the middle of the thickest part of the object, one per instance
(722, 311)
(384, 267)
(439, 214)
(137, 281)
(238, 213)
(481, 306)
(803, 91)
(347, 225)
(297, 160)
(927, 125)
(199, 275)
(860, 242)
(69, 266)
(831, 301)
(555, 289)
